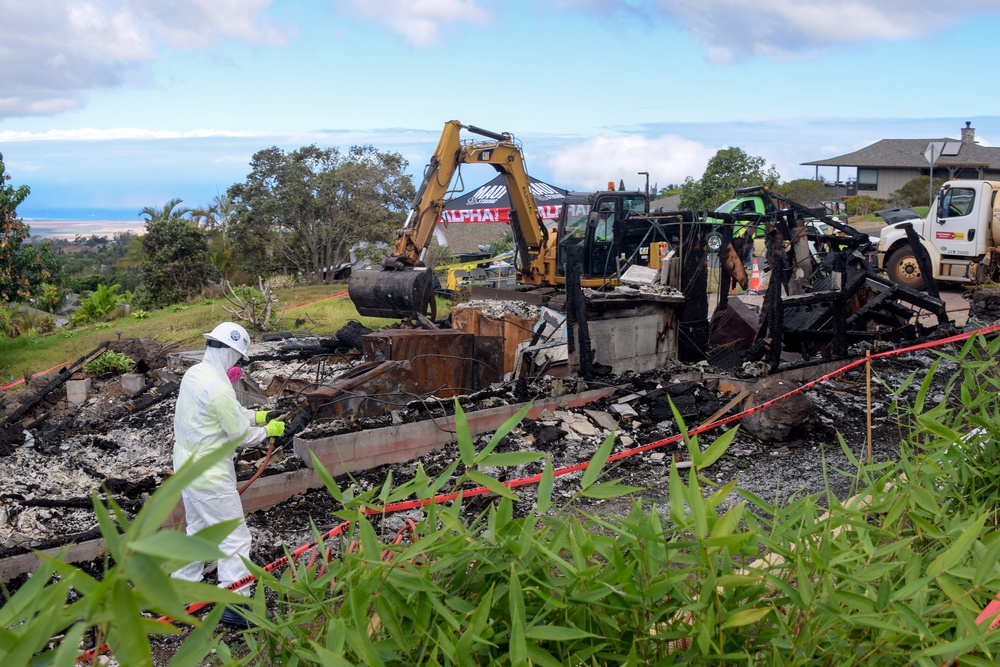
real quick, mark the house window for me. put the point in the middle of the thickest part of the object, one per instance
(867, 179)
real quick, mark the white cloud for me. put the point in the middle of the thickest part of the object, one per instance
(731, 29)
(53, 52)
(196, 24)
(113, 134)
(419, 22)
(590, 165)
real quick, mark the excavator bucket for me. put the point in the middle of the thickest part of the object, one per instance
(395, 293)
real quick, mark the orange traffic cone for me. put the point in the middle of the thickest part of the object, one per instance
(755, 283)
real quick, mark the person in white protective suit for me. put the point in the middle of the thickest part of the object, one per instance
(209, 417)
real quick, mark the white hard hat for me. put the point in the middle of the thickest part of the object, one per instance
(231, 335)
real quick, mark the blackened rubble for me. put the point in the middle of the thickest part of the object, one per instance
(121, 442)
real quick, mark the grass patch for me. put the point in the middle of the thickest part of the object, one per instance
(311, 310)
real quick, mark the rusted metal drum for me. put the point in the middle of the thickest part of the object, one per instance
(395, 293)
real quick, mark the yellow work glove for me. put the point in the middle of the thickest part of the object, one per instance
(275, 428)
(261, 417)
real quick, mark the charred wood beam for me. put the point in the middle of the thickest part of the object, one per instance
(911, 296)
(840, 307)
(875, 302)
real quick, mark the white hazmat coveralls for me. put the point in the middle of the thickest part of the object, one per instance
(209, 417)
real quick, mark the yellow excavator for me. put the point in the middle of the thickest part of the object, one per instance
(584, 234)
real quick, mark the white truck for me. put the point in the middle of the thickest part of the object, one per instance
(961, 233)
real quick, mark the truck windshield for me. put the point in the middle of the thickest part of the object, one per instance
(956, 202)
(726, 207)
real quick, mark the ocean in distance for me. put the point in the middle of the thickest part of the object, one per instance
(66, 225)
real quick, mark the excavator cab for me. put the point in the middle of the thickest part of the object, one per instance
(590, 232)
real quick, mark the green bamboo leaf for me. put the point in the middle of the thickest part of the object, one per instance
(463, 436)
(545, 487)
(386, 489)
(876, 620)
(938, 429)
(538, 656)
(126, 636)
(957, 552)
(738, 580)
(388, 615)
(478, 623)
(325, 477)
(556, 633)
(518, 644)
(956, 592)
(504, 429)
(441, 480)
(925, 387)
(24, 601)
(606, 490)
(200, 643)
(728, 522)
(597, 461)
(490, 483)
(69, 646)
(746, 617)
(699, 513)
(678, 497)
(109, 529)
(176, 546)
(369, 541)
(690, 442)
(717, 448)
(329, 658)
(987, 562)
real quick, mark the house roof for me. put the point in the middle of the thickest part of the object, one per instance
(910, 153)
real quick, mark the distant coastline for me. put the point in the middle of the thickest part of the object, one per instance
(70, 229)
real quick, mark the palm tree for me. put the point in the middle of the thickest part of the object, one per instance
(170, 211)
(215, 219)
(216, 215)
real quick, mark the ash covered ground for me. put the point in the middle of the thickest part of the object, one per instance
(120, 443)
(109, 445)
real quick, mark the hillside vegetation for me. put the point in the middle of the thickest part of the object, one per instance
(313, 309)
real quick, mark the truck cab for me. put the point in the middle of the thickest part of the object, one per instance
(960, 235)
(750, 207)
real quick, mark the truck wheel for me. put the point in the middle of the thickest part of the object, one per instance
(714, 241)
(903, 269)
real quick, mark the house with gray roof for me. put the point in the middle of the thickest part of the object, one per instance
(883, 167)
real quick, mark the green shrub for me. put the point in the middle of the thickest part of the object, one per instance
(140, 314)
(102, 305)
(109, 363)
(862, 205)
(918, 191)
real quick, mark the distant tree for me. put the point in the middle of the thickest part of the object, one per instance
(22, 270)
(728, 169)
(214, 218)
(805, 191)
(917, 191)
(50, 296)
(305, 209)
(173, 262)
(168, 211)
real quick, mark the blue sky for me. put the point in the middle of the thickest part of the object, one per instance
(107, 106)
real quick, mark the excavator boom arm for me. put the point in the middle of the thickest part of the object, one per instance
(398, 290)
